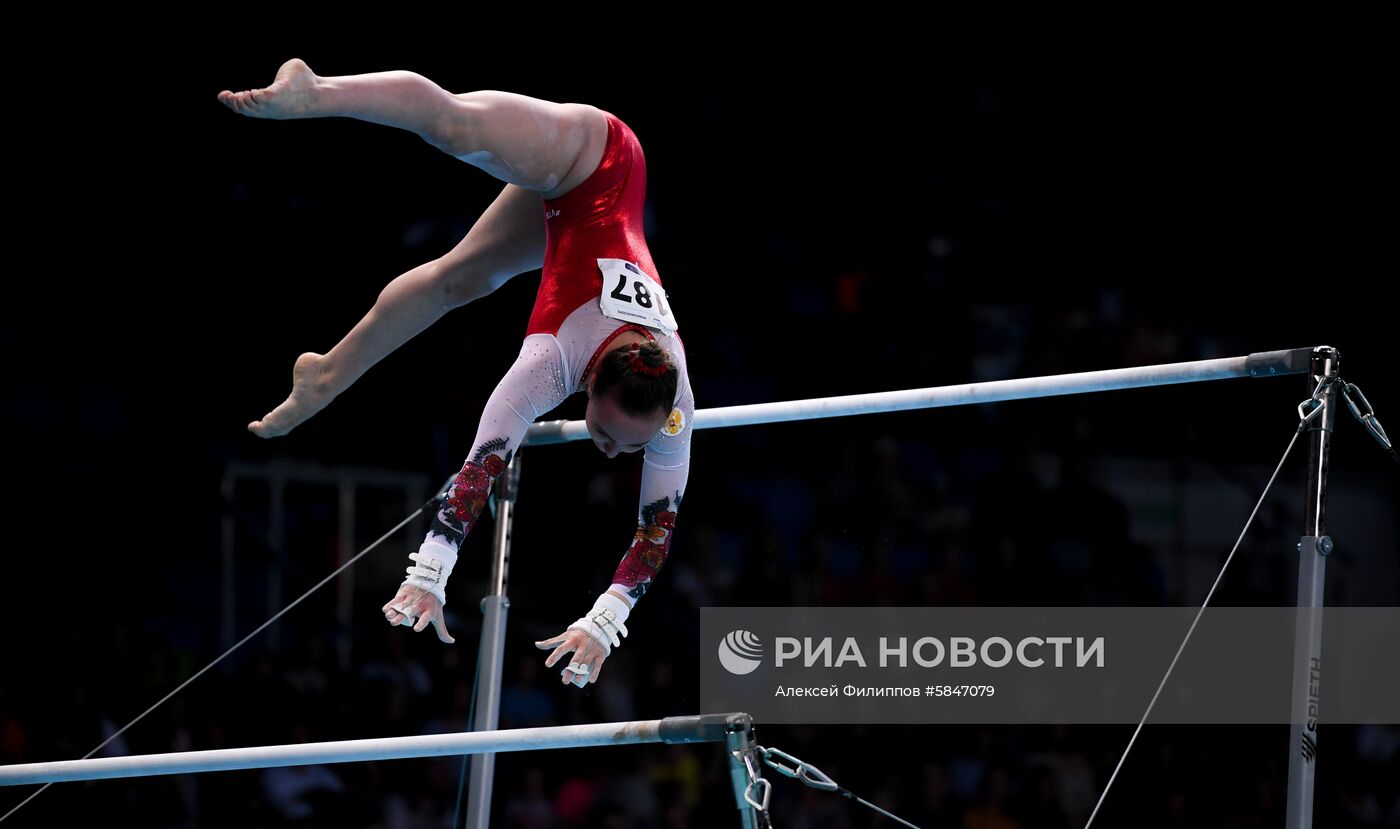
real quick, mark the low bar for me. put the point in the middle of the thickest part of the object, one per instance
(1262, 364)
(701, 728)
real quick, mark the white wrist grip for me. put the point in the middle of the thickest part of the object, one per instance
(605, 622)
(434, 562)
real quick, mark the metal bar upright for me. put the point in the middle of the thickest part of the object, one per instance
(494, 609)
(1313, 549)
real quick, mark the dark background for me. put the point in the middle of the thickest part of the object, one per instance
(916, 217)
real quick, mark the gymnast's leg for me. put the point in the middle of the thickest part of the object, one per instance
(541, 149)
(507, 240)
(535, 144)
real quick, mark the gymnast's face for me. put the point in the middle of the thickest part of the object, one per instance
(614, 430)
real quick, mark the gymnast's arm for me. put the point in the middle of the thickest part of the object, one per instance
(533, 385)
(665, 469)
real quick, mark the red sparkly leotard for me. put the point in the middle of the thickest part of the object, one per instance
(599, 218)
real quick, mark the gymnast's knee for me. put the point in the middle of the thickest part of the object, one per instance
(463, 278)
(449, 128)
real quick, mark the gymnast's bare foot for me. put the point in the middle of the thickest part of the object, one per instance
(292, 94)
(311, 391)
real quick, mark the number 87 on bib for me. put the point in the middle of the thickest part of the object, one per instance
(630, 295)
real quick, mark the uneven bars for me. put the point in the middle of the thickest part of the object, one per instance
(1262, 364)
(699, 728)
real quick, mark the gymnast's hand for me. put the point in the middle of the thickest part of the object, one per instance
(312, 389)
(416, 607)
(588, 660)
(592, 638)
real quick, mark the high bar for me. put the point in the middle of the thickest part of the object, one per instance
(1261, 364)
(698, 728)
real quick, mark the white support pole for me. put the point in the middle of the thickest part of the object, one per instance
(707, 728)
(1264, 364)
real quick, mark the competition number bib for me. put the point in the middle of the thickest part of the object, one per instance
(630, 295)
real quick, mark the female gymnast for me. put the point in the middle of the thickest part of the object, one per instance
(572, 204)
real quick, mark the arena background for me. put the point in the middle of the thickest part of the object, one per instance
(917, 221)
